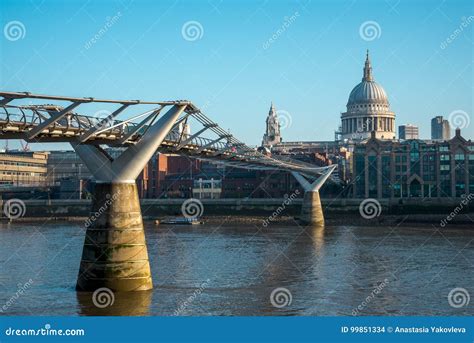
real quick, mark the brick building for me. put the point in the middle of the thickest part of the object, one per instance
(413, 168)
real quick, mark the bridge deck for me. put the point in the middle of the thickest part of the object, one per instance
(56, 122)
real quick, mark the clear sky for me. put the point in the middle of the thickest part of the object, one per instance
(228, 63)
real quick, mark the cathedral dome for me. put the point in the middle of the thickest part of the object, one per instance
(368, 91)
(368, 111)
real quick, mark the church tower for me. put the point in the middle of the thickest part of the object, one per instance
(272, 132)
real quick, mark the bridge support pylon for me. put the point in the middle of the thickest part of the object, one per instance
(115, 254)
(311, 210)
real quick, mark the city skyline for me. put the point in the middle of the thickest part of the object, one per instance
(239, 159)
(233, 77)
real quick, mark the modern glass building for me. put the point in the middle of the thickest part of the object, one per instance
(440, 128)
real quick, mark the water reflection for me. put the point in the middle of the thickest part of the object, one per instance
(124, 304)
(288, 269)
(317, 233)
(328, 270)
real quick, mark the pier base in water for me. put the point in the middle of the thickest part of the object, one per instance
(115, 253)
(312, 211)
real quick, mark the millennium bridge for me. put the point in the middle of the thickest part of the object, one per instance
(115, 253)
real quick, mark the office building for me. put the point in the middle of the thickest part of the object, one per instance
(413, 168)
(440, 128)
(408, 131)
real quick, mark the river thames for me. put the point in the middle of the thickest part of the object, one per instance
(233, 269)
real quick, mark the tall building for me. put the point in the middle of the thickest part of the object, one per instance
(440, 128)
(272, 133)
(408, 131)
(368, 110)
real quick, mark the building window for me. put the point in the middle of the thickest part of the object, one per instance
(397, 190)
(360, 175)
(460, 189)
(444, 157)
(373, 176)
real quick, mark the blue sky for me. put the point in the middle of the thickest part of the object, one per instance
(233, 72)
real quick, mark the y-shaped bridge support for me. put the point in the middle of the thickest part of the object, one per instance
(115, 253)
(311, 211)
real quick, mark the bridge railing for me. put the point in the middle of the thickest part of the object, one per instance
(18, 118)
(53, 122)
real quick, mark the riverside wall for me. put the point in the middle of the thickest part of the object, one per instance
(153, 208)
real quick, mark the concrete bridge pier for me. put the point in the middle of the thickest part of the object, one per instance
(115, 253)
(311, 210)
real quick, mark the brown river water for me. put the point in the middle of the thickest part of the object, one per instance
(226, 269)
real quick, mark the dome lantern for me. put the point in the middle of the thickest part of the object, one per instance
(367, 91)
(367, 69)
